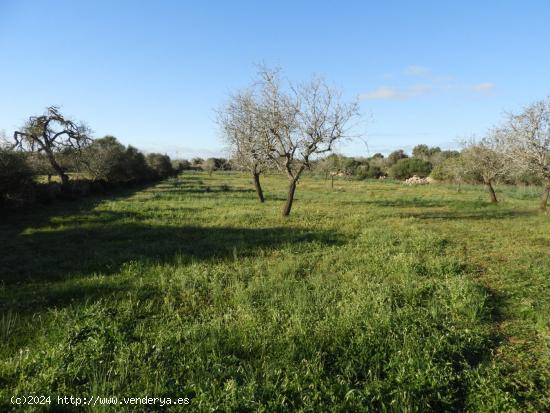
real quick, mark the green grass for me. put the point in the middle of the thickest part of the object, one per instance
(372, 296)
(42, 179)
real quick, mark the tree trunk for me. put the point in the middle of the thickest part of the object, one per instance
(258, 187)
(491, 191)
(289, 198)
(332, 181)
(544, 198)
(57, 168)
(64, 180)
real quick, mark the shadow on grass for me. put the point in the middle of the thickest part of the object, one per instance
(212, 189)
(103, 246)
(60, 268)
(38, 214)
(408, 203)
(189, 184)
(479, 215)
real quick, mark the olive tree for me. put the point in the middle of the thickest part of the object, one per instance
(104, 160)
(527, 139)
(304, 121)
(160, 164)
(53, 135)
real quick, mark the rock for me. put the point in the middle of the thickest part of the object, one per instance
(416, 180)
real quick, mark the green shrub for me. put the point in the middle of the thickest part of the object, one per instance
(407, 167)
(374, 172)
(106, 159)
(16, 177)
(136, 166)
(395, 156)
(160, 164)
(441, 172)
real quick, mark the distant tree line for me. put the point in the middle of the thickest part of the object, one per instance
(51, 145)
(270, 126)
(397, 165)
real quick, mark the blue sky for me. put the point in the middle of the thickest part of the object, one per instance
(152, 73)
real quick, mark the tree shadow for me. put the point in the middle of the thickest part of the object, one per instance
(190, 184)
(70, 267)
(39, 214)
(214, 189)
(483, 215)
(408, 203)
(103, 246)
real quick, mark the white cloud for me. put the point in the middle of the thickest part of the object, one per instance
(442, 78)
(432, 82)
(486, 88)
(414, 70)
(392, 93)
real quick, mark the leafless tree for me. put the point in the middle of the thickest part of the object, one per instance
(304, 122)
(247, 139)
(527, 139)
(484, 161)
(209, 166)
(52, 134)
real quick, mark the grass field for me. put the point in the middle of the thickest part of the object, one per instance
(372, 296)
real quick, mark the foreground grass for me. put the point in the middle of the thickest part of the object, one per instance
(371, 296)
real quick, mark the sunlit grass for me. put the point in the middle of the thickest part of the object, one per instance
(371, 295)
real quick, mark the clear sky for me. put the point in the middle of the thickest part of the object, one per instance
(152, 72)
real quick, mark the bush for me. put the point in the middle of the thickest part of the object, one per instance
(160, 165)
(407, 167)
(443, 172)
(373, 172)
(216, 164)
(180, 165)
(48, 193)
(395, 156)
(104, 160)
(136, 166)
(16, 177)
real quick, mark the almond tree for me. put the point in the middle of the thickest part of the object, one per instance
(527, 138)
(303, 122)
(247, 140)
(484, 161)
(52, 134)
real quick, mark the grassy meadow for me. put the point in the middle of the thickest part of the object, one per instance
(371, 296)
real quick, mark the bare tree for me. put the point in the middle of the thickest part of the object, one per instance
(209, 166)
(304, 121)
(248, 141)
(329, 165)
(484, 162)
(52, 134)
(527, 138)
